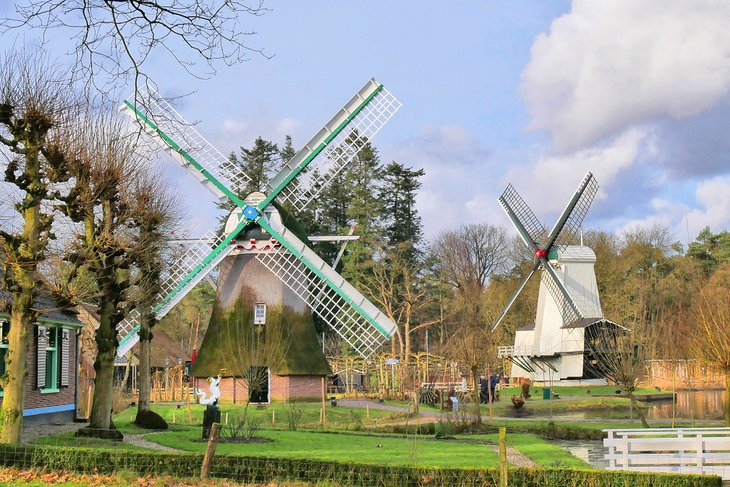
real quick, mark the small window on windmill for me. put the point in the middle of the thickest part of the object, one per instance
(259, 314)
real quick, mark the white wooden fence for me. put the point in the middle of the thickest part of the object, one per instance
(680, 450)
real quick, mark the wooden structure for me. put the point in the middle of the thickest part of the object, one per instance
(50, 395)
(680, 450)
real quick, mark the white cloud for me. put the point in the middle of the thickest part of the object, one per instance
(459, 184)
(548, 184)
(606, 65)
(710, 209)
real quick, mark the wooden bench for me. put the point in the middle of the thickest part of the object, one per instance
(680, 450)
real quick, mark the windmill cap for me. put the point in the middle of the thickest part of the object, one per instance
(576, 253)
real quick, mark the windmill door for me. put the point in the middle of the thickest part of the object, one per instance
(258, 385)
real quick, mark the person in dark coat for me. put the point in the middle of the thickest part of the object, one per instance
(493, 381)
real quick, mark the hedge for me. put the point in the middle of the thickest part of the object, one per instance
(264, 469)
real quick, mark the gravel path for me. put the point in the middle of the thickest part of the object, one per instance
(138, 440)
(515, 458)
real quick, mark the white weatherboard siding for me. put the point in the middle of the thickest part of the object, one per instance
(574, 267)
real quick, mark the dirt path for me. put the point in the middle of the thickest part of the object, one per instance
(514, 457)
(138, 440)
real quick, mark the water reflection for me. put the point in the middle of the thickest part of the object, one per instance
(690, 405)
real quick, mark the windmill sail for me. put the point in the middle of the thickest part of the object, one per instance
(334, 146)
(327, 293)
(341, 305)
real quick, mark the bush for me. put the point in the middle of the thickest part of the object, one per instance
(148, 419)
(518, 402)
(258, 470)
(526, 390)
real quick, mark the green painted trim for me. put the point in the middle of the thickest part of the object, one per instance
(317, 150)
(49, 391)
(48, 321)
(203, 264)
(128, 336)
(64, 324)
(319, 274)
(233, 196)
(192, 274)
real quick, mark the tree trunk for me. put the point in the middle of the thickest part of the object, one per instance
(106, 343)
(475, 378)
(145, 343)
(21, 312)
(726, 412)
(16, 371)
(632, 401)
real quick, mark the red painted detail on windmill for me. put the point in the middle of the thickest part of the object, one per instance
(193, 356)
(540, 253)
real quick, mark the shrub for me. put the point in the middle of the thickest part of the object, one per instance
(257, 470)
(148, 419)
(526, 390)
(518, 402)
(293, 416)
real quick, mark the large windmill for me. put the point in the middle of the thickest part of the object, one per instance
(278, 249)
(569, 307)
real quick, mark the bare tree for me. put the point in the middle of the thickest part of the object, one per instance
(33, 103)
(711, 338)
(398, 287)
(622, 357)
(253, 351)
(116, 40)
(153, 218)
(466, 259)
(104, 167)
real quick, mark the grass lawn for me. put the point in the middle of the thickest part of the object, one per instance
(376, 449)
(536, 449)
(574, 391)
(274, 416)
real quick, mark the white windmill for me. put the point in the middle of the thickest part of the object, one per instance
(568, 306)
(304, 273)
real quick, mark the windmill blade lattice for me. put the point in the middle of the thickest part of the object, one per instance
(512, 200)
(341, 305)
(333, 148)
(327, 293)
(568, 225)
(180, 139)
(567, 307)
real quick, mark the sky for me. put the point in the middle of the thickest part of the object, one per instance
(531, 93)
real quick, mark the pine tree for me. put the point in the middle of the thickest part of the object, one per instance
(259, 163)
(398, 197)
(365, 210)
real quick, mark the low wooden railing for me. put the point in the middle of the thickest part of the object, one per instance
(681, 450)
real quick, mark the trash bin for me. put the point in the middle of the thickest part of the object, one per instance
(546, 393)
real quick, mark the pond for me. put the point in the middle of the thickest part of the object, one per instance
(690, 405)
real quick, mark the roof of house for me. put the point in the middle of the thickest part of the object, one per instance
(51, 311)
(164, 352)
(586, 322)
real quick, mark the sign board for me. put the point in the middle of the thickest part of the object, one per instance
(391, 361)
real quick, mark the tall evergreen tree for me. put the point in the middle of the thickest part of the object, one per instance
(365, 210)
(259, 163)
(398, 197)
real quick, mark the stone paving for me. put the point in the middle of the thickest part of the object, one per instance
(38, 431)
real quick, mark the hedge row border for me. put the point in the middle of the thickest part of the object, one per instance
(266, 469)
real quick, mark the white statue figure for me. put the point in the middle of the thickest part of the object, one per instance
(215, 393)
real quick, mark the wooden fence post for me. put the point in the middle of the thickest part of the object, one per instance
(210, 451)
(502, 457)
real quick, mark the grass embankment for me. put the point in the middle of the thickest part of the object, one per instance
(575, 391)
(274, 416)
(335, 444)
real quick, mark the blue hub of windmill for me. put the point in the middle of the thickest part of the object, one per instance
(250, 212)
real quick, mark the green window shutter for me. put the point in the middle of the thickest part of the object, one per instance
(41, 344)
(65, 341)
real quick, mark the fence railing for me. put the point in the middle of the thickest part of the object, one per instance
(681, 450)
